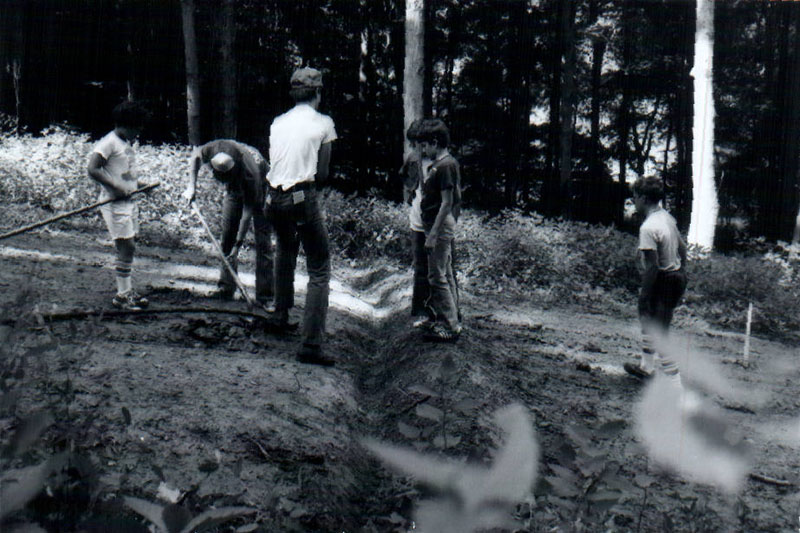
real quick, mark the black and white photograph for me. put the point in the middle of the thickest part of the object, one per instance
(401, 266)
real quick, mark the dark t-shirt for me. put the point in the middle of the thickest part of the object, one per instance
(443, 174)
(247, 176)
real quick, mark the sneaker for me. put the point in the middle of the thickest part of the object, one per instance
(281, 321)
(442, 333)
(223, 294)
(423, 323)
(126, 302)
(637, 371)
(267, 306)
(139, 299)
(311, 354)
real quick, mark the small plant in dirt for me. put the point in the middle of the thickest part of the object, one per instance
(584, 486)
(435, 425)
(470, 497)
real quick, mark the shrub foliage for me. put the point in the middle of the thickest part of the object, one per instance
(524, 254)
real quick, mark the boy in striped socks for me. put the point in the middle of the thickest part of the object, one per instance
(662, 260)
(112, 164)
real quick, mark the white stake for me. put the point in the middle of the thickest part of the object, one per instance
(747, 335)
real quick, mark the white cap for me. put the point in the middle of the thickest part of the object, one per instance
(222, 162)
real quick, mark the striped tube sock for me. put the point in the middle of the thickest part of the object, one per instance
(123, 273)
(648, 362)
(670, 369)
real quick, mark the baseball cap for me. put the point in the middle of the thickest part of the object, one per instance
(222, 162)
(306, 77)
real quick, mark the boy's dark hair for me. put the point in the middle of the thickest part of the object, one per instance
(412, 134)
(129, 114)
(435, 131)
(302, 95)
(650, 188)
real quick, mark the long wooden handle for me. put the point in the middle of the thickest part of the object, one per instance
(74, 212)
(225, 261)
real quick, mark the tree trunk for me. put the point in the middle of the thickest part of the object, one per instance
(518, 60)
(414, 68)
(228, 69)
(427, 77)
(12, 18)
(550, 201)
(682, 116)
(705, 205)
(624, 116)
(567, 106)
(778, 192)
(598, 51)
(192, 73)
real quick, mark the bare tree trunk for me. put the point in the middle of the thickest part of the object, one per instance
(228, 69)
(414, 69)
(192, 72)
(550, 201)
(598, 51)
(705, 205)
(567, 106)
(518, 61)
(624, 117)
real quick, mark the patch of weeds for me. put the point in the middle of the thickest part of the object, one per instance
(466, 497)
(584, 486)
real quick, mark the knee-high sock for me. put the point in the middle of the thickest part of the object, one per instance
(123, 275)
(648, 353)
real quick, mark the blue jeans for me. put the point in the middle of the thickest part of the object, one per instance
(299, 221)
(443, 289)
(421, 288)
(232, 207)
(667, 293)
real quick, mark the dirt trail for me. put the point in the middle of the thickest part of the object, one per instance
(214, 388)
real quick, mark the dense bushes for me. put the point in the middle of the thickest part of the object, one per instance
(552, 261)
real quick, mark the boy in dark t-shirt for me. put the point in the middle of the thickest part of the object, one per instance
(440, 208)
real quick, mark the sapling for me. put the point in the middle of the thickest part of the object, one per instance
(471, 497)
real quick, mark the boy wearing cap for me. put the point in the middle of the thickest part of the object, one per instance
(411, 171)
(233, 164)
(112, 164)
(440, 208)
(299, 155)
(662, 257)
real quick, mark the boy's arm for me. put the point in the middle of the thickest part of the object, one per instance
(98, 172)
(444, 209)
(323, 164)
(648, 280)
(244, 225)
(682, 252)
(195, 160)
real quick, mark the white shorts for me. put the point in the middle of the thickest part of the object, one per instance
(122, 219)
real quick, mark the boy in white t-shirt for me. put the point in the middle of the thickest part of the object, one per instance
(299, 153)
(411, 172)
(662, 260)
(112, 164)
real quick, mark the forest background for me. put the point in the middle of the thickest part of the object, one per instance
(552, 105)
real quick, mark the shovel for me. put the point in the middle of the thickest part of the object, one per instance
(218, 248)
(73, 212)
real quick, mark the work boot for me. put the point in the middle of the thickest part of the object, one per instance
(311, 354)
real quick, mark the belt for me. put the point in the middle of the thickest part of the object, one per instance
(302, 186)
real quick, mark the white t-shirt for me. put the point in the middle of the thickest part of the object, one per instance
(415, 213)
(120, 164)
(294, 141)
(659, 232)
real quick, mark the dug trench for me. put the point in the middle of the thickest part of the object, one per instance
(213, 410)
